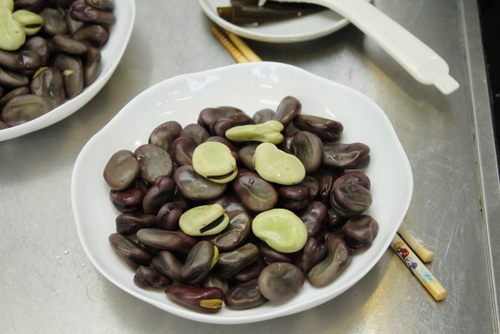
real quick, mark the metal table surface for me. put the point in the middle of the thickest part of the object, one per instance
(49, 285)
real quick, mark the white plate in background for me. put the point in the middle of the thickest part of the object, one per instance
(294, 30)
(111, 55)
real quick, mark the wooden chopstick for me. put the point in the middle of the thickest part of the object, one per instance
(418, 268)
(414, 241)
(242, 46)
(236, 47)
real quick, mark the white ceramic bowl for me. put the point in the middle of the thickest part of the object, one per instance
(288, 31)
(250, 87)
(111, 54)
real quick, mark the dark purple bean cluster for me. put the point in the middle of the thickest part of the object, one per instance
(58, 62)
(154, 185)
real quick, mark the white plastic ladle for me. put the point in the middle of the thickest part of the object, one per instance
(418, 59)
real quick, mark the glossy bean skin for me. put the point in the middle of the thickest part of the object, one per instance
(133, 255)
(222, 124)
(350, 199)
(127, 200)
(245, 296)
(234, 234)
(314, 217)
(162, 190)
(80, 11)
(205, 300)
(313, 252)
(167, 264)
(72, 69)
(12, 79)
(92, 65)
(214, 281)
(169, 214)
(121, 170)
(165, 134)
(254, 192)
(246, 154)
(327, 130)
(64, 43)
(346, 156)
(194, 186)
(335, 220)
(23, 108)
(309, 149)
(95, 35)
(198, 261)
(217, 119)
(14, 92)
(175, 241)
(153, 162)
(31, 5)
(248, 273)
(130, 223)
(356, 177)
(21, 61)
(293, 197)
(279, 281)
(263, 115)
(338, 257)
(182, 151)
(312, 186)
(288, 108)
(231, 263)
(359, 232)
(325, 187)
(50, 85)
(146, 277)
(197, 133)
(107, 5)
(286, 145)
(53, 21)
(269, 255)
(72, 24)
(41, 46)
(230, 203)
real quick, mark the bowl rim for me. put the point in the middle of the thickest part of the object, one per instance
(237, 319)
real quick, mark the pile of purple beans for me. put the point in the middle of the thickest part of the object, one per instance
(58, 62)
(156, 184)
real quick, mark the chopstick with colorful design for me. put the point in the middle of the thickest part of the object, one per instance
(418, 268)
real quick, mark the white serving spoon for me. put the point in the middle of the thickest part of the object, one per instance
(418, 59)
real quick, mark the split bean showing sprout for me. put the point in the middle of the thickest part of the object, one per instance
(220, 212)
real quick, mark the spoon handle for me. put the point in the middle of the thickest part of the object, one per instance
(418, 59)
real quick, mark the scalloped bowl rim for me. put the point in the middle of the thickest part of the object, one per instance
(263, 84)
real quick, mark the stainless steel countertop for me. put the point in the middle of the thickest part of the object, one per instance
(49, 285)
